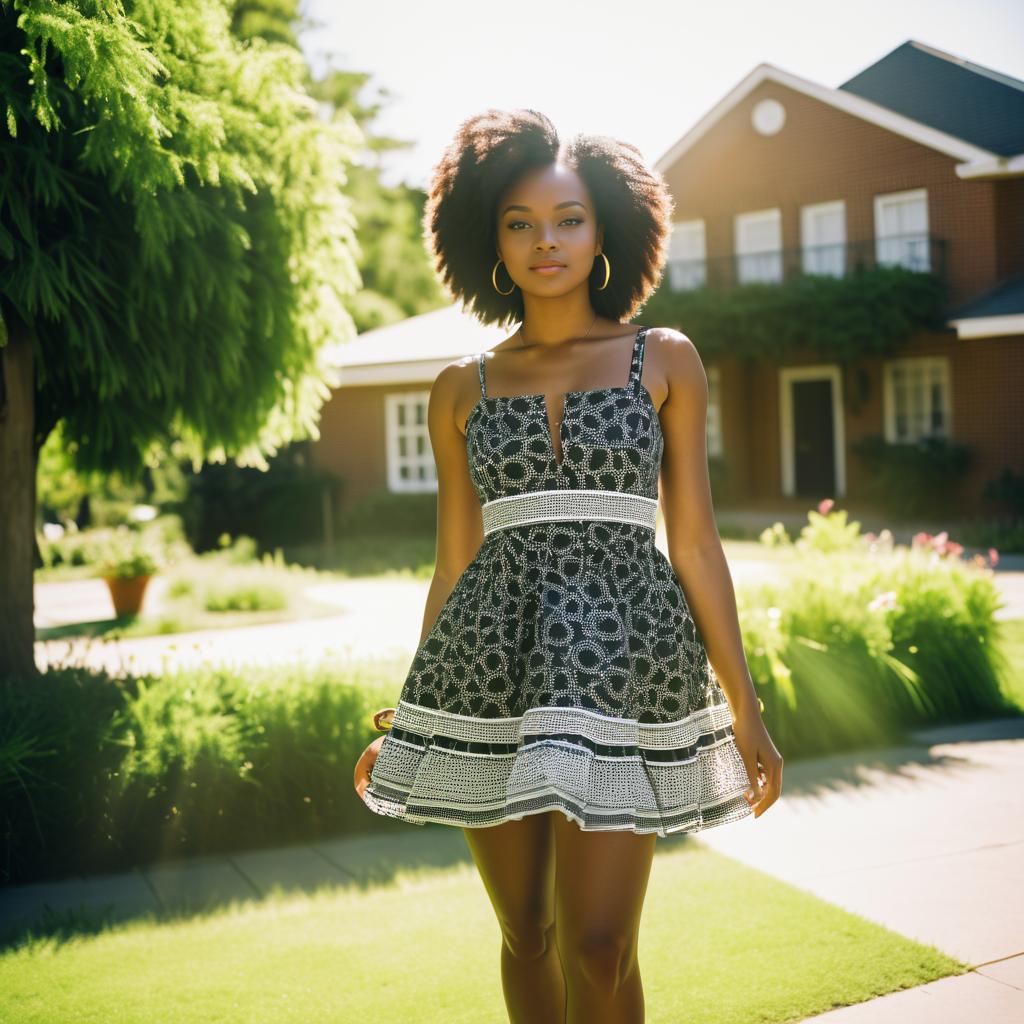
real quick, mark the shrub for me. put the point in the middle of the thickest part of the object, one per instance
(99, 773)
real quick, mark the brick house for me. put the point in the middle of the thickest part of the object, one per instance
(916, 161)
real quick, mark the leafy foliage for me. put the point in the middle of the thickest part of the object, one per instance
(867, 313)
(173, 227)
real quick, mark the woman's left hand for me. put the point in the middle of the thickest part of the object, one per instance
(762, 760)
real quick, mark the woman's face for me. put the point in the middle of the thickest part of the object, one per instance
(548, 216)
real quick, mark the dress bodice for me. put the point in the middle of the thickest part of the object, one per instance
(610, 438)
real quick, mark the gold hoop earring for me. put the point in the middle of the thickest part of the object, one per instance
(607, 272)
(494, 271)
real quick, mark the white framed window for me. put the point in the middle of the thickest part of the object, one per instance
(714, 417)
(758, 245)
(410, 459)
(823, 238)
(917, 398)
(687, 254)
(901, 229)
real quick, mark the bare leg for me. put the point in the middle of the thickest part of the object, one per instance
(517, 865)
(601, 881)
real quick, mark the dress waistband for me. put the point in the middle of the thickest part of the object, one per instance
(569, 504)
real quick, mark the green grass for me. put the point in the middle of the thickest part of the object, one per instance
(719, 943)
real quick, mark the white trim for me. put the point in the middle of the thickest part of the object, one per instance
(787, 440)
(889, 397)
(988, 326)
(975, 161)
(707, 711)
(413, 432)
(423, 371)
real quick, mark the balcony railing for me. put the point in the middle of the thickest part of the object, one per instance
(920, 252)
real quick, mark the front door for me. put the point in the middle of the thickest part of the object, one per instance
(813, 438)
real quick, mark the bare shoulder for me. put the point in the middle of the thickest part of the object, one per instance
(679, 363)
(455, 391)
(458, 371)
(676, 370)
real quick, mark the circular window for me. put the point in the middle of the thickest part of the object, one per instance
(768, 117)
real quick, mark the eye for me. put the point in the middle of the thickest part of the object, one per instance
(512, 223)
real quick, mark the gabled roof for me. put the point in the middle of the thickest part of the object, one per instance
(976, 104)
(414, 349)
(890, 82)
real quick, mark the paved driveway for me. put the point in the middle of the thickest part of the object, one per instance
(376, 618)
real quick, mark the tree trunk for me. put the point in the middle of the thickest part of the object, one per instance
(17, 503)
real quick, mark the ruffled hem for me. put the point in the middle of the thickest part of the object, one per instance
(606, 774)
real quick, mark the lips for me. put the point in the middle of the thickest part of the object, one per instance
(546, 263)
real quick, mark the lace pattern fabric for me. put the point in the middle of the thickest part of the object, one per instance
(564, 671)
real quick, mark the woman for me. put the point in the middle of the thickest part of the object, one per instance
(562, 708)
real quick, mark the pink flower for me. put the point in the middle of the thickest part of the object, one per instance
(886, 600)
(993, 556)
(825, 506)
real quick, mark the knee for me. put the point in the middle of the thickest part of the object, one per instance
(528, 940)
(603, 959)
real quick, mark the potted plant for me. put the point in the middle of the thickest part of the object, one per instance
(127, 569)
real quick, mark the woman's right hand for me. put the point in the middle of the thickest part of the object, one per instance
(364, 766)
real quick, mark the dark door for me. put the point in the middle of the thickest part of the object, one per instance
(813, 438)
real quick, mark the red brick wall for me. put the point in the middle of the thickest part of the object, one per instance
(352, 439)
(824, 154)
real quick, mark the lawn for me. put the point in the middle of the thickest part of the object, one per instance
(720, 943)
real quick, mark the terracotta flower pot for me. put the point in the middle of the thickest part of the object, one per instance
(127, 593)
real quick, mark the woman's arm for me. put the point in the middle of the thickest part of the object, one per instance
(695, 549)
(460, 529)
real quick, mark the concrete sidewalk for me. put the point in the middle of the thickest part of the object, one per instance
(926, 839)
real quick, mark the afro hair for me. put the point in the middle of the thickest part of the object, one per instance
(488, 154)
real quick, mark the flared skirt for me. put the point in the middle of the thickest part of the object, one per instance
(563, 672)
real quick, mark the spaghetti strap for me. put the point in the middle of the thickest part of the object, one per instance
(480, 367)
(636, 367)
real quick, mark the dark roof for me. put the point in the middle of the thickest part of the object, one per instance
(973, 103)
(1006, 299)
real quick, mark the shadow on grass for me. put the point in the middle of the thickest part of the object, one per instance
(95, 627)
(187, 889)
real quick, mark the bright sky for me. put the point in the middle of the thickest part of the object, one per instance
(641, 72)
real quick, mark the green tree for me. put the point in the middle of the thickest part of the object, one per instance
(175, 248)
(398, 278)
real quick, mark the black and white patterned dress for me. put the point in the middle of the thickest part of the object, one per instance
(564, 670)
